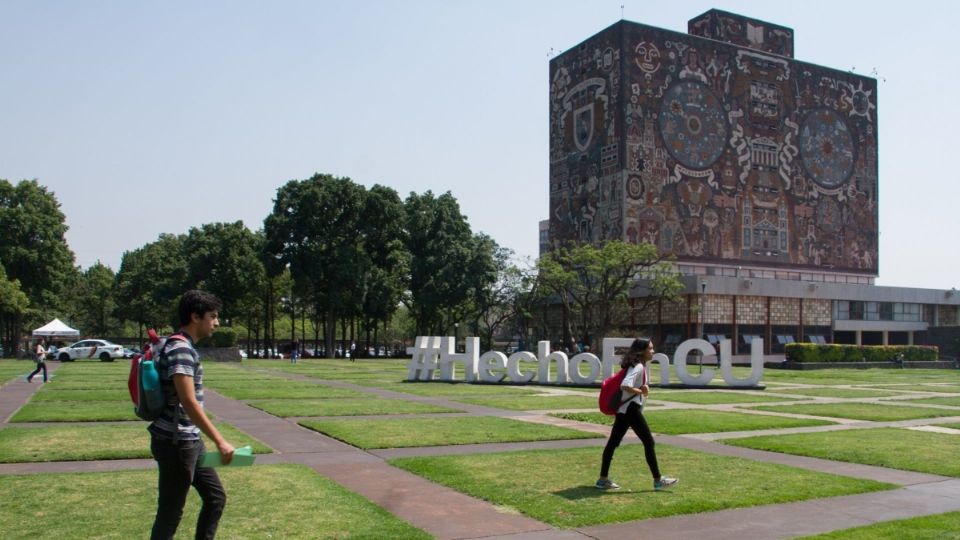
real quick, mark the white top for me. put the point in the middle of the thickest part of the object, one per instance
(636, 377)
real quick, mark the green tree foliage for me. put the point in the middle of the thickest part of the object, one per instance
(224, 258)
(95, 302)
(316, 229)
(150, 281)
(13, 306)
(593, 283)
(389, 261)
(447, 262)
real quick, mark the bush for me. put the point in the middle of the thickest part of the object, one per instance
(222, 337)
(809, 352)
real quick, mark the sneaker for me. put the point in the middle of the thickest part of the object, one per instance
(605, 483)
(664, 482)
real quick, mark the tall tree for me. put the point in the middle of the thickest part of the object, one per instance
(593, 283)
(150, 281)
(441, 250)
(96, 302)
(33, 249)
(223, 258)
(13, 306)
(384, 244)
(314, 229)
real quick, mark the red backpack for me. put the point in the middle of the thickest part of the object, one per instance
(610, 393)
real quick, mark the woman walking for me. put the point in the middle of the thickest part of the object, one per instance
(40, 356)
(633, 393)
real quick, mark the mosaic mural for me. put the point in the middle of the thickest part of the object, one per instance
(715, 152)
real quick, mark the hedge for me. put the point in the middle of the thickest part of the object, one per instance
(811, 352)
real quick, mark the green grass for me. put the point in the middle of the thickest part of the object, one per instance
(557, 485)
(941, 388)
(905, 449)
(711, 397)
(414, 432)
(84, 443)
(448, 389)
(860, 411)
(953, 401)
(345, 407)
(954, 425)
(268, 501)
(82, 394)
(834, 392)
(862, 376)
(531, 403)
(76, 411)
(678, 422)
(279, 390)
(935, 527)
(11, 369)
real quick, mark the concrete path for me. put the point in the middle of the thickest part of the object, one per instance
(447, 514)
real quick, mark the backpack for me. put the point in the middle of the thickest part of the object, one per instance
(610, 393)
(144, 379)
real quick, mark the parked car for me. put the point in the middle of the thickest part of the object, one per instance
(91, 348)
(130, 352)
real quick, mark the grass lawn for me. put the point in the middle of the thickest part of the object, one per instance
(955, 425)
(11, 369)
(534, 403)
(413, 432)
(700, 421)
(51, 393)
(862, 376)
(449, 389)
(713, 397)
(935, 527)
(345, 407)
(834, 392)
(268, 501)
(920, 451)
(875, 412)
(76, 411)
(953, 401)
(563, 494)
(941, 388)
(279, 390)
(83, 443)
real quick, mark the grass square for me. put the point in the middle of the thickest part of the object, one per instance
(76, 411)
(84, 443)
(50, 393)
(713, 397)
(414, 432)
(952, 401)
(279, 389)
(556, 486)
(264, 501)
(936, 527)
(834, 392)
(538, 402)
(678, 422)
(909, 450)
(345, 407)
(876, 412)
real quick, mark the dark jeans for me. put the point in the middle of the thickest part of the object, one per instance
(177, 465)
(41, 365)
(633, 419)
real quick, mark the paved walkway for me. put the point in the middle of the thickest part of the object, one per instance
(447, 514)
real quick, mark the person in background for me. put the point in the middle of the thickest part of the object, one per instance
(294, 351)
(40, 357)
(634, 390)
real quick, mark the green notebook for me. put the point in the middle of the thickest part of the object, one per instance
(242, 456)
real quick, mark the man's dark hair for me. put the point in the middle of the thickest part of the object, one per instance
(199, 302)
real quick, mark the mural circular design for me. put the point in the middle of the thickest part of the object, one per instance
(693, 124)
(826, 148)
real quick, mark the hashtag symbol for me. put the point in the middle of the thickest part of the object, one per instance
(423, 360)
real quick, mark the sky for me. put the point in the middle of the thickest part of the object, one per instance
(118, 107)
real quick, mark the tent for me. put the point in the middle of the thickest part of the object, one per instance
(56, 329)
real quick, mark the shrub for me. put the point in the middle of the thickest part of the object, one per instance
(808, 352)
(222, 337)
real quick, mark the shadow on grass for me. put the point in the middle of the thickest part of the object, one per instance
(590, 492)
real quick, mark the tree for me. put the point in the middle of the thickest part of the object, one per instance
(315, 228)
(389, 260)
(440, 245)
(33, 249)
(223, 258)
(95, 301)
(13, 306)
(150, 281)
(593, 283)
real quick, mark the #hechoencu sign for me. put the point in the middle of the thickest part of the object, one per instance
(436, 353)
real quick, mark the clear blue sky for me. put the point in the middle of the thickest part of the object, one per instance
(113, 104)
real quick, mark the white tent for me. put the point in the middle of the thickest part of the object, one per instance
(56, 329)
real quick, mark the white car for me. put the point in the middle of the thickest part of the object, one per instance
(91, 348)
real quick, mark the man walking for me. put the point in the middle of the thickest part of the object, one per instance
(175, 436)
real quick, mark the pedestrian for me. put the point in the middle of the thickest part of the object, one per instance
(40, 357)
(175, 436)
(634, 390)
(294, 351)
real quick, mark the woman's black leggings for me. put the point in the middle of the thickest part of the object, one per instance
(40, 366)
(633, 419)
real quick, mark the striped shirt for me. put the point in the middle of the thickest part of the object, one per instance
(180, 357)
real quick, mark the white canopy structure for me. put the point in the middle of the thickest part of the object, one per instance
(56, 329)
